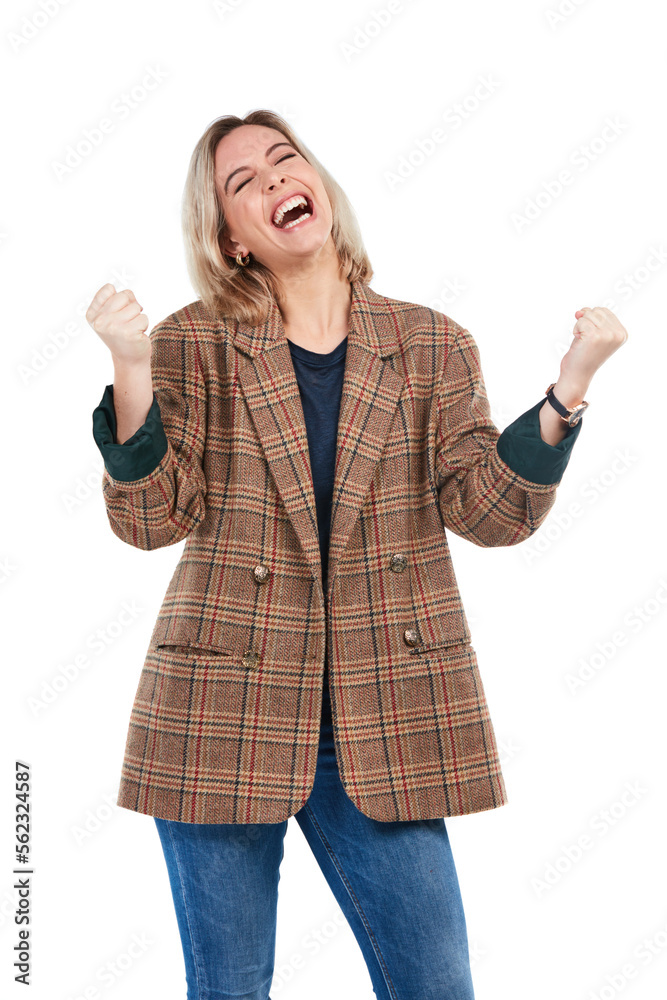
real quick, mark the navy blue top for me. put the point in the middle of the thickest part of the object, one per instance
(320, 380)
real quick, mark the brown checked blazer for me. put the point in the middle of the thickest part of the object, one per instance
(225, 722)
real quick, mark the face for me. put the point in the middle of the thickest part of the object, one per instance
(256, 168)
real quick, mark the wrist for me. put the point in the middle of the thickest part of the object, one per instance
(131, 369)
(570, 392)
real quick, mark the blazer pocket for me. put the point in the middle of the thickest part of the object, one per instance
(434, 646)
(194, 647)
(441, 634)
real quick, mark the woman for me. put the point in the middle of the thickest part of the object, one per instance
(311, 440)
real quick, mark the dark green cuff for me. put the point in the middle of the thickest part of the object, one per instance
(140, 454)
(521, 447)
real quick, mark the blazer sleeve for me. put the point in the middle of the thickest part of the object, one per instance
(493, 488)
(154, 484)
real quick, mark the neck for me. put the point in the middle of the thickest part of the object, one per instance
(316, 305)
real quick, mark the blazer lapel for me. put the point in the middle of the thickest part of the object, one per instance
(371, 390)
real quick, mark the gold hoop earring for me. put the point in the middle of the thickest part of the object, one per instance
(240, 261)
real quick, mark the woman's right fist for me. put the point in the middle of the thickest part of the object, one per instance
(116, 317)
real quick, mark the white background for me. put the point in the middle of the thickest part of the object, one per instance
(590, 586)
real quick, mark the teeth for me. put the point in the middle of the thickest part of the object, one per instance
(297, 199)
(294, 222)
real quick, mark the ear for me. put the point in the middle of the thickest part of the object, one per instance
(231, 247)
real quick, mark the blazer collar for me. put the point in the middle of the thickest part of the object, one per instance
(372, 387)
(371, 325)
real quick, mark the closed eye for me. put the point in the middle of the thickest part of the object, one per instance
(285, 157)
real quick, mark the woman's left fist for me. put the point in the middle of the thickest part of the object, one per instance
(597, 334)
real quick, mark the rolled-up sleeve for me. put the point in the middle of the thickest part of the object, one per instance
(154, 484)
(523, 448)
(490, 494)
(140, 454)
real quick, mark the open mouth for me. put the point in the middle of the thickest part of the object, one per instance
(294, 210)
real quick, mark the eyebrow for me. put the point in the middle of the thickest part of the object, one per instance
(268, 153)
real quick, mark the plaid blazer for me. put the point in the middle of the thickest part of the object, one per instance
(225, 722)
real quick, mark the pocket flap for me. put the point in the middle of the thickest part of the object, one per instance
(219, 638)
(443, 630)
(197, 647)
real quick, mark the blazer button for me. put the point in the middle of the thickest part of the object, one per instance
(261, 573)
(411, 637)
(397, 563)
(250, 658)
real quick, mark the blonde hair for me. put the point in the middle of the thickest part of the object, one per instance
(247, 293)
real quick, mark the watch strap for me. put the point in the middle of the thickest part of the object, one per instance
(573, 415)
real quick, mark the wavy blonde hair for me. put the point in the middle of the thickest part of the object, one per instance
(247, 293)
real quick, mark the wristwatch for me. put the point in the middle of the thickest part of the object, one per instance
(572, 416)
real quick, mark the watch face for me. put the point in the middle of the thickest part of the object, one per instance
(577, 415)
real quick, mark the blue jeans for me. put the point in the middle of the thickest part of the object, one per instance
(395, 883)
